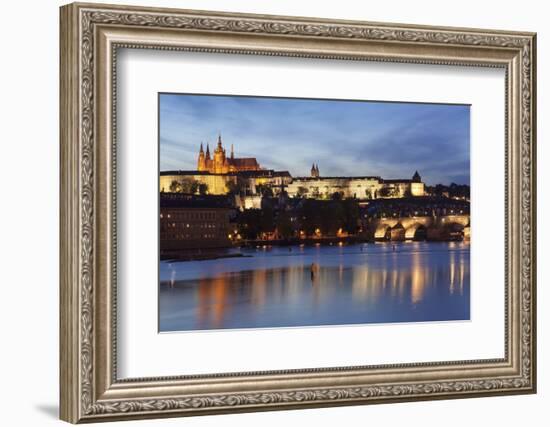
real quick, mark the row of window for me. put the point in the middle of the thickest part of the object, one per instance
(351, 188)
(184, 236)
(189, 215)
(166, 225)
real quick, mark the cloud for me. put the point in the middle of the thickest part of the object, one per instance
(348, 138)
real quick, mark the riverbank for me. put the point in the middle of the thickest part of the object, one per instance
(306, 241)
(180, 257)
(291, 246)
(348, 240)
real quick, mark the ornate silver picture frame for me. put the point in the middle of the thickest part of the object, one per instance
(91, 36)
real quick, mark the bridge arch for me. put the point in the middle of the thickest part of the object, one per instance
(382, 232)
(455, 230)
(416, 231)
(397, 233)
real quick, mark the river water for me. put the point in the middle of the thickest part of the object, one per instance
(349, 284)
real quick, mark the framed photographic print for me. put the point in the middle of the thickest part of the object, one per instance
(265, 212)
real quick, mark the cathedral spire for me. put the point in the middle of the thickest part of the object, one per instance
(207, 151)
(201, 162)
(232, 156)
(219, 139)
(315, 170)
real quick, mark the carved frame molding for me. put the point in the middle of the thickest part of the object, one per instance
(90, 37)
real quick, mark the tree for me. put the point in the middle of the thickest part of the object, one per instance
(186, 185)
(332, 217)
(387, 192)
(453, 190)
(316, 193)
(284, 225)
(232, 187)
(439, 189)
(267, 220)
(175, 187)
(264, 190)
(203, 189)
(352, 216)
(248, 223)
(309, 216)
(302, 191)
(368, 193)
(336, 196)
(191, 186)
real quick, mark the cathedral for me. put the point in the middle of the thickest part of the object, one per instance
(315, 171)
(219, 163)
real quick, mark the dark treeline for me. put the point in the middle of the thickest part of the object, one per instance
(453, 190)
(310, 215)
(417, 206)
(329, 216)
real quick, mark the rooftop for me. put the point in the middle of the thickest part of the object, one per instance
(314, 178)
(248, 174)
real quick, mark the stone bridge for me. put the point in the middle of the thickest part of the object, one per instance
(448, 227)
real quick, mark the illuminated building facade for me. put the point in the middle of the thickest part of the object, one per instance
(217, 184)
(360, 187)
(219, 174)
(219, 163)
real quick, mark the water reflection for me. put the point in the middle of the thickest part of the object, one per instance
(274, 287)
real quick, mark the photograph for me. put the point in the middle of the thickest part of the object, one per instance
(292, 212)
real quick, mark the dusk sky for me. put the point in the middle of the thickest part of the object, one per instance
(345, 138)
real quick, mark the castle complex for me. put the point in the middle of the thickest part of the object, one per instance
(228, 201)
(359, 187)
(220, 163)
(222, 174)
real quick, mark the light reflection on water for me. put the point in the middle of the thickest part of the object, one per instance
(274, 287)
